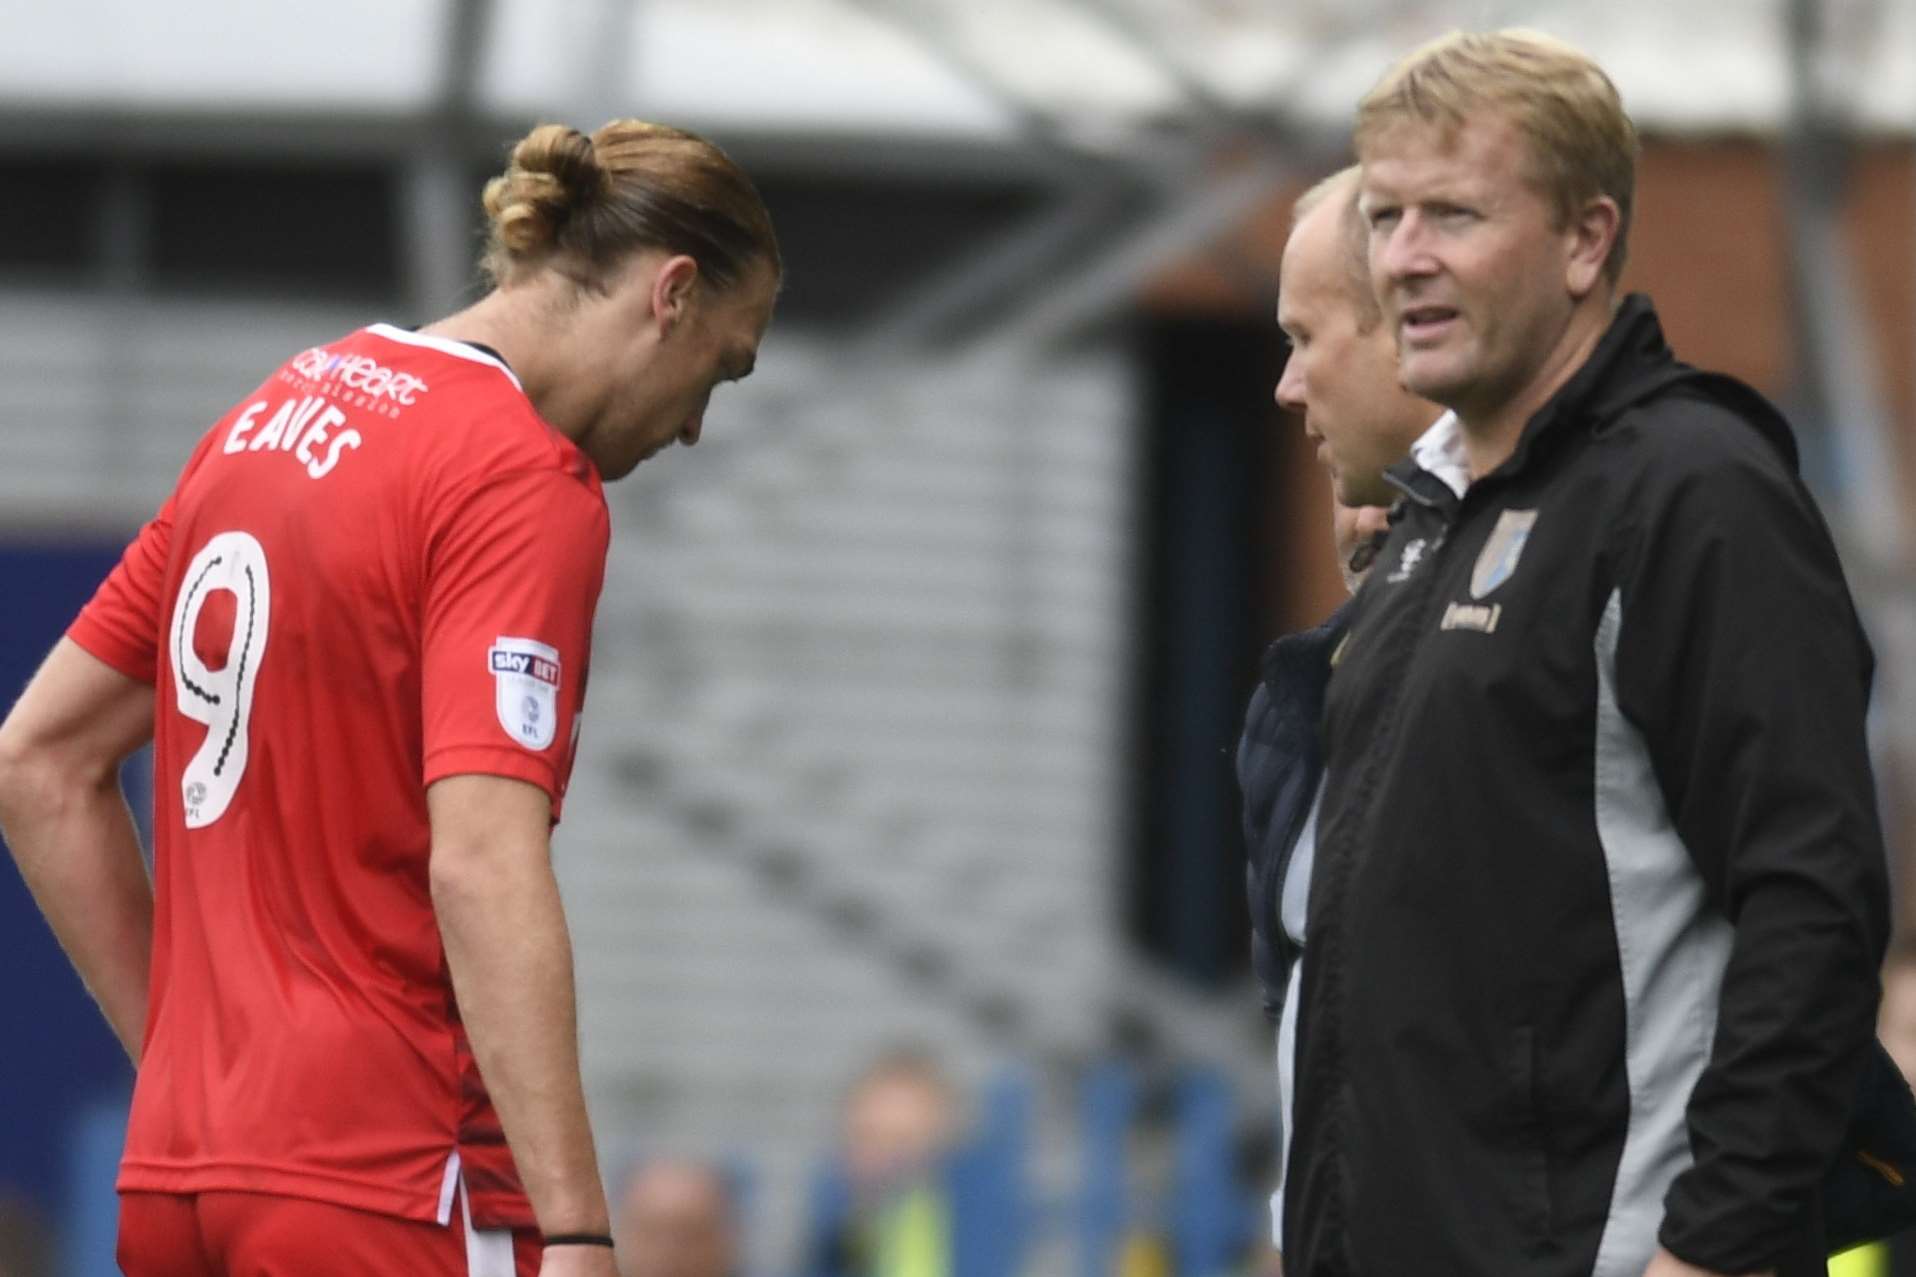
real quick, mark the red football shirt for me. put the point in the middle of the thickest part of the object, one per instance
(377, 570)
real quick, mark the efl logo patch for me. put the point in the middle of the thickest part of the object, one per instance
(525, 676)
(1498, 559)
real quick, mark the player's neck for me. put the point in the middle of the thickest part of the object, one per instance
(506, 325)
(485, 323)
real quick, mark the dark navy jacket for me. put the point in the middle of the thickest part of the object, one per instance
(1279, 762)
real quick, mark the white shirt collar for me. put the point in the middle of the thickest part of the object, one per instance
(1440, 450)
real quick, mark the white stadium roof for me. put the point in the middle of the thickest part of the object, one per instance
(972, 70)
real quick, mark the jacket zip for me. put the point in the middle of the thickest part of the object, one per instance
(1341, 867)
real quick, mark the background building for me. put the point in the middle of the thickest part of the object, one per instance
(915, 684)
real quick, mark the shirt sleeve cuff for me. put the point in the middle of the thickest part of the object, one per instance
(489, 760)
(134, 660)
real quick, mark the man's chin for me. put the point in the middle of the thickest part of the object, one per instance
(1356, 495)
(634, 463)
(1431, 378)
(611, 470)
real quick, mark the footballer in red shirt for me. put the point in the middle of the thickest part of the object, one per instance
(358, 634)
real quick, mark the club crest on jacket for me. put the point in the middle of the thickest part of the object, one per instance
(1498, 559)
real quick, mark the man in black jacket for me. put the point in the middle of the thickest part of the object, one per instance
(1341, 380)
(1600, 894)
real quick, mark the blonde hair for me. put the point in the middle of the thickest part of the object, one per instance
(1582, 144)
(583, 203)
(1353, 238)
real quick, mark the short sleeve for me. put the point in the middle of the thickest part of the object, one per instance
(513, 572)
(121, 623)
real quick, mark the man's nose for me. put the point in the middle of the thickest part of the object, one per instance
(1399, 253)
(1290, 385)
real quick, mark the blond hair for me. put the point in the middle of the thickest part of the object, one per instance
(583, 203)
(1353, 238)
(1582, 144)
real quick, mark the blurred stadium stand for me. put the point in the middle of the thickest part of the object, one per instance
(915, 683)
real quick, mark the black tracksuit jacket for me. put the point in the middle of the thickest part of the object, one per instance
(1600, 892)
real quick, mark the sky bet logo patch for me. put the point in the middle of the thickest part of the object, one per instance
(525, 676)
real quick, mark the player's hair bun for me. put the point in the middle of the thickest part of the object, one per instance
(553, 173)
(582, 204)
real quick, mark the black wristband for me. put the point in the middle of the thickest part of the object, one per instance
(579, 1239)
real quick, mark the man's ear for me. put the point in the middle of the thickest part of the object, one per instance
(1593, 234)
(672, 291)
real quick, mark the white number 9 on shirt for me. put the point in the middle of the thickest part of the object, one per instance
(221, 698)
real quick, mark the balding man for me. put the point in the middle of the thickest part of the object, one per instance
(677, 1219)
(1341, 379)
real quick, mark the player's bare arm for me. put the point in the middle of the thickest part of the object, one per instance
(68, 826)
(510, 956)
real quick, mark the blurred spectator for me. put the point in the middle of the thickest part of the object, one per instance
(1896, 1027)
(884, 1208)
(24, 1248)
(900, 1118)
(677, 1219)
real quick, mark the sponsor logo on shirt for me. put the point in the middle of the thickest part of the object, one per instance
(361, 374)
(525, 675)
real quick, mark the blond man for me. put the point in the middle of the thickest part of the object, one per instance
(1599, 895)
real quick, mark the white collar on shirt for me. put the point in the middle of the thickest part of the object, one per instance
(1440, 450)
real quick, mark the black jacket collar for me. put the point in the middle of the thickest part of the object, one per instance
(1632, 363)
